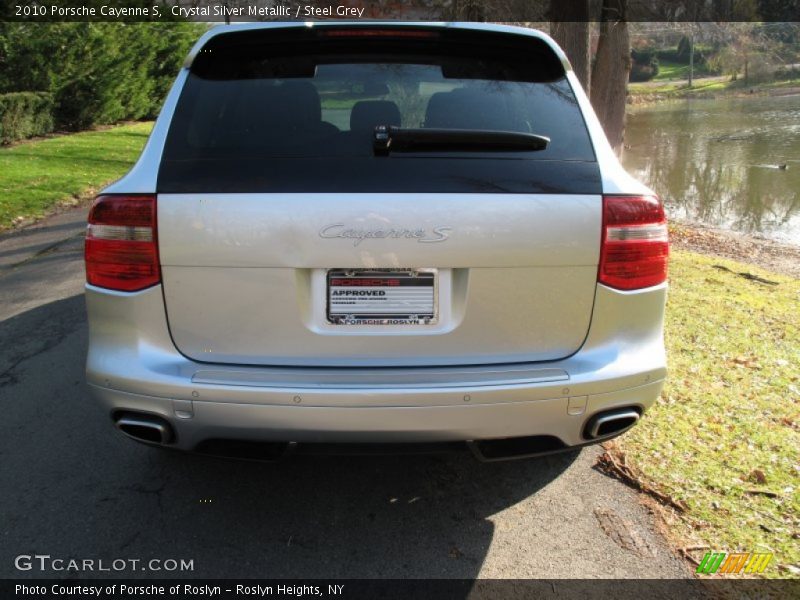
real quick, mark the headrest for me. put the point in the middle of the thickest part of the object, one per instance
(369, 113)
(465, 108)
(302, 102)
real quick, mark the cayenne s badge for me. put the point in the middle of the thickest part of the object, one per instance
(340, 230)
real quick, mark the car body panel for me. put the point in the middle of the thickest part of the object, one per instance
(516, 276)
(232, 345)
(132, 351)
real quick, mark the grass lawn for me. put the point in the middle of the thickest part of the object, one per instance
(725, 436)
(680, 87)
(39, 175)
(704, 87)
(672, 70)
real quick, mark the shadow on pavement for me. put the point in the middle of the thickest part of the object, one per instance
(73, 487)
(26, 232)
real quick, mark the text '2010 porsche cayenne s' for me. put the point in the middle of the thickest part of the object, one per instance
(367, 234)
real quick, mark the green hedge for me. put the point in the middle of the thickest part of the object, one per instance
(24, 115)
(97, 73)
(681, 55)
(644, 64)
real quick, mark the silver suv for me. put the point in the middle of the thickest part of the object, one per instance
(367, 234)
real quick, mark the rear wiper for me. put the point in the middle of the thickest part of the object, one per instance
(388, 138)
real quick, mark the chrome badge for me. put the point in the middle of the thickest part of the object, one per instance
(423, 236)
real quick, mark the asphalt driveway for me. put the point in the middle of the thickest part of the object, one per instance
(72, 487)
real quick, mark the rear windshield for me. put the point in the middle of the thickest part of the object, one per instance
(265, 114)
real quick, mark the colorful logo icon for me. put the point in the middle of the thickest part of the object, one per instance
(738, 562)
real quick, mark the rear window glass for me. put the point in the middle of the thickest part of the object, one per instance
(260, 112)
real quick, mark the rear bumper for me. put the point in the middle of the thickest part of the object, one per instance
(207, 420)
(133, 366)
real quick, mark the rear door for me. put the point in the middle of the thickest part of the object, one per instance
(285, 239)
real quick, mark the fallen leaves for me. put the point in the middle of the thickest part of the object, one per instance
(723, 438)
(757, 476)
(751, 362)
(775, 256)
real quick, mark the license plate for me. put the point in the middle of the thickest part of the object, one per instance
(361, 297)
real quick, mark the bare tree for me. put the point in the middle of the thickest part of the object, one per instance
(611, 69)
(468, 10)
(570, 28)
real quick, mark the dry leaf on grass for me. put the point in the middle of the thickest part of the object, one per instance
(757, 476)
(750, 362)
(767, 493)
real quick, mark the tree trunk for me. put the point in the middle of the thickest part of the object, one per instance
(468, 10)
(573, 37)
(569, 27)
(611, 69)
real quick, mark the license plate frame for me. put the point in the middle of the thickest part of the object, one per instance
(418, 284)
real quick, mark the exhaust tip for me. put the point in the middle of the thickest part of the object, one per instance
(610, 423)
(144, 428)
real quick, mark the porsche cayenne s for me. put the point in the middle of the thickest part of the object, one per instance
(376, 234)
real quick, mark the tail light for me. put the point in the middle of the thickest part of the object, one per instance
(635, 247)
(121, 243)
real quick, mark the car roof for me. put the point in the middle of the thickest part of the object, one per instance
(465, 26)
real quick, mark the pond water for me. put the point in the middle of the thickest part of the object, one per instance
(732, 164)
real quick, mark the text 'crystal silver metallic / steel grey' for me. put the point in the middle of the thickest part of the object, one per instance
(376, 234)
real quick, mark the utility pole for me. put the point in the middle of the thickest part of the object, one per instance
(691, 54)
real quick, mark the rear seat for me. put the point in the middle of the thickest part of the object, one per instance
(288, 114)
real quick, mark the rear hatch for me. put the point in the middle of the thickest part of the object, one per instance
(288, 237)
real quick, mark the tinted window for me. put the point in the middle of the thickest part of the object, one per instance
(260, 114)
